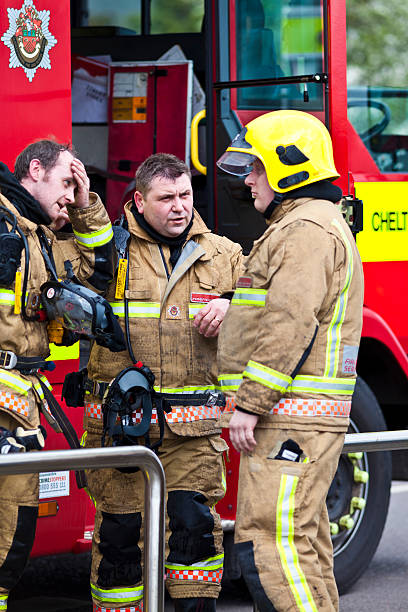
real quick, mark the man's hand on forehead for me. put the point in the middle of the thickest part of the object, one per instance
(82, 183)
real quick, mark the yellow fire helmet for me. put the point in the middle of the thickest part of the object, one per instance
(294, 147)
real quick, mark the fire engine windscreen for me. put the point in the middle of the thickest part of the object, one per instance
(83, 312)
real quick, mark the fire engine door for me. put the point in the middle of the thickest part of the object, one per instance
(149, 112)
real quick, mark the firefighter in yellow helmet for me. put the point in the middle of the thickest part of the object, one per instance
(298, 308)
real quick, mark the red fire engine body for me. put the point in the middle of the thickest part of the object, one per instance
(248, 62)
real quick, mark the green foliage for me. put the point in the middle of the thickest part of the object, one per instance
(176, 16)
(377, 42)
(167, 16)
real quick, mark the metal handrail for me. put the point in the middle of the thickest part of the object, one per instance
(120, 456)
(376, 441)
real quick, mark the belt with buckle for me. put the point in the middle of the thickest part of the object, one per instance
(26, 365)
(95, 387)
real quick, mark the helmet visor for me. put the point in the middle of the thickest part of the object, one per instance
(237, 163)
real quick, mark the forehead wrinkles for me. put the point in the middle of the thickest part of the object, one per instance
(162, 186)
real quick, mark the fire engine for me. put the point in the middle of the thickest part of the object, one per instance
(123, 80)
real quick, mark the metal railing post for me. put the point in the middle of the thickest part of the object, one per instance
(119, 456)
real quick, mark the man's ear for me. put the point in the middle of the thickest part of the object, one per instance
(139, 201)
(35, 170)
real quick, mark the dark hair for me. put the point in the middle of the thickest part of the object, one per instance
(46, 151)
(164, 165)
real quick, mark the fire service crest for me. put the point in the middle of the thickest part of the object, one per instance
(29, 38)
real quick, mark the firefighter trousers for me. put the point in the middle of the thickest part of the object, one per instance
(18, 519)
(282, 535)
(194, 471)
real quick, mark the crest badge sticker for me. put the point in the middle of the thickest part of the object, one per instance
(29, 38)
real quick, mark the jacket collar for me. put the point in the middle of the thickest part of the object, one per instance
(23, 222)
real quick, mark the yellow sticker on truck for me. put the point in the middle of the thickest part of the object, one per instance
(385, 221)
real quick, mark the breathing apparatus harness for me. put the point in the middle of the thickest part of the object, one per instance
(132, 391)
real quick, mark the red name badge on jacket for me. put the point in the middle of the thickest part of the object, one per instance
(202, 298)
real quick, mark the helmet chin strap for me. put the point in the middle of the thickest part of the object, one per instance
(271, 207)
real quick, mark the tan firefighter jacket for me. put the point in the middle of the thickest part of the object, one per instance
(20, 394)
(161, 315)
(290, 338)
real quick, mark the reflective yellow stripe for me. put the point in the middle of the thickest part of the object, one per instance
(119, 596)
(38, 388)
(212, 563)
(286, 545)
(334, 331)
(193, 309)
(95, 239)
(267, 376)
(302, 384)
(3, 602)
(7, 297)
(250, 297)
(323, 384)
(145, 310)
(230, 382)
(186, 390)
(14, 382)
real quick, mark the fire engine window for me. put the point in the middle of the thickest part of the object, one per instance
(121, 13)
(176, 16)
(376, 81)
(279, 39)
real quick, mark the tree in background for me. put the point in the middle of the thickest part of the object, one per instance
(377, 43)
(167, 16)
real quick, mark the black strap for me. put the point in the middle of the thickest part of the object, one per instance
(66, 427)
(47, 253)
(207, 398)
(95, 387)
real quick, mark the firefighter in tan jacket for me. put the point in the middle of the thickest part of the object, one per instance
(177, 271)
(48, 185)
(298, 308)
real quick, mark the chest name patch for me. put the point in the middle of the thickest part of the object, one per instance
(245, 282)
(202, 298)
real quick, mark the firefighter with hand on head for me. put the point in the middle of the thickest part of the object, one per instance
(298, 309)
(169, 284)
(49, 186)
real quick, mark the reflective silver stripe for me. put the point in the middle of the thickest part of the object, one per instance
(15, 382)
(250, 297)
(193, 309)
(120, 596)
(213, 563)
(142, 310)
(94, 239)
(323, 384)
(230, 382)
(7, 297)
(334, 331)
(267, 376)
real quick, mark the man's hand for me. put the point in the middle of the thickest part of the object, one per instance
(241, 431)
(60, 221)
(82, 184)
(209, 318)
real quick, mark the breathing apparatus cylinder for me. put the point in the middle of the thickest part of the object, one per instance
(56, 331)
